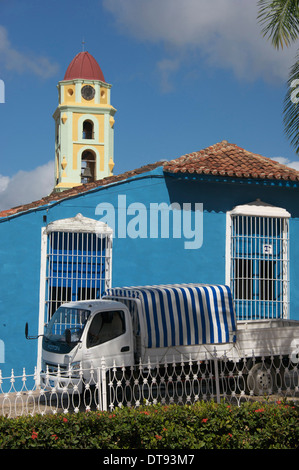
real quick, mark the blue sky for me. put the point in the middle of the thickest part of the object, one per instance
(184, 74)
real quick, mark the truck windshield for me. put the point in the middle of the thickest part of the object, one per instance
(71, 319)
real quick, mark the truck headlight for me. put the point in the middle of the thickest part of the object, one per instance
(75, 368)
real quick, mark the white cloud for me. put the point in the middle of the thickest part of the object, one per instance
(14, 60)
(225, 33)
(26, 186)
(4, 181)
(287, 162)
(167, 67)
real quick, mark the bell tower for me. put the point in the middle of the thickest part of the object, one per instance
(84, 125)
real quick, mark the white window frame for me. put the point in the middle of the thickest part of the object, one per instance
(77, 224)
(259, 208)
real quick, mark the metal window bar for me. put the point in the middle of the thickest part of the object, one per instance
(78, 268)
(259, 266)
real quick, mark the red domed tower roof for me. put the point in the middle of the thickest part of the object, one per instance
(85, 66)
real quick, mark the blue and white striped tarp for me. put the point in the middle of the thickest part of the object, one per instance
(184, 314)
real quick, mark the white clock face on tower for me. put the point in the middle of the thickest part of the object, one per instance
(87, 92)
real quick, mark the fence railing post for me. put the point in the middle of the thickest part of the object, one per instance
(104, 385)
(217, 377)
(99, 383)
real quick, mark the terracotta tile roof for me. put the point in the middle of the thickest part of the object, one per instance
(223, 158)
(58, 196)
(227, 159)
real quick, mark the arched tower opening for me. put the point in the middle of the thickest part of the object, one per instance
(87, 130)
(88, 166)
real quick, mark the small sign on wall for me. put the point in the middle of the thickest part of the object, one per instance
(267, 249)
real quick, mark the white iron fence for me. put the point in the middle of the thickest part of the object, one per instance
(185, 382)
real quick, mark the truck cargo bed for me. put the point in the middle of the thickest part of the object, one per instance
(267, 337)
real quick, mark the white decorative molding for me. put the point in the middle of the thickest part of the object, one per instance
(78, 224)
(259, 208)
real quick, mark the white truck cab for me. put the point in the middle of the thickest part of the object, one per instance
(80, 334)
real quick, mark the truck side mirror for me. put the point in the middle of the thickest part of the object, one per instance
(68, 336)
(27, 335)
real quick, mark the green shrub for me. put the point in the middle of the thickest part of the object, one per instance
(202, 425)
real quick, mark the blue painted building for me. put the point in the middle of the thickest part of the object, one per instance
(222, 215)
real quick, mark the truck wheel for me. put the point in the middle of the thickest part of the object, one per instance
(260, 379)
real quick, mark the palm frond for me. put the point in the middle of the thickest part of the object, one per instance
(291, 107)
(280, 19)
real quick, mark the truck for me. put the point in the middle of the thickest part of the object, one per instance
(160, 323)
